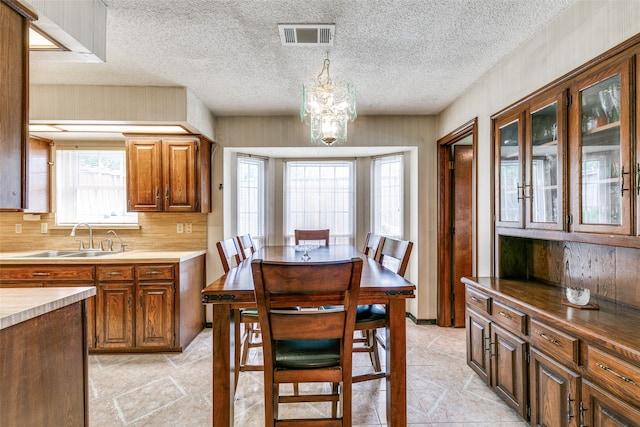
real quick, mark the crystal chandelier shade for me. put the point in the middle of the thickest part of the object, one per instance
(327, 107)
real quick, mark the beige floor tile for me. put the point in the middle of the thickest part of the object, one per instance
(174, 390)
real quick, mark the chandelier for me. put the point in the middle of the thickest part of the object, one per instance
(327, 107)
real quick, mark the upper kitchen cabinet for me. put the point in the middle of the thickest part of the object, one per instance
(168, 174)
(509, 134)
(530, 158)
(14, 102)
(601, 169)
(544, 161)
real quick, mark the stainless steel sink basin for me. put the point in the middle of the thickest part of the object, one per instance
(67, 254)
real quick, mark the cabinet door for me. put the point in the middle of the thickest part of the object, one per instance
(144, 175)
(509, 368)
(179, 175)
(554, 392)
(601, 409)
(600, 160)
(478, 341)
(544, 188)
(154, 315)
(39, 159)
(509, 172)
(114, 315)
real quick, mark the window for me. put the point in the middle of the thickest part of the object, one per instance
(319, 195)
(388, 196)
(250, 198)
(91, 187)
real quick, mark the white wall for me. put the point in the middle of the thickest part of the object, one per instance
(415, 135)
(581, 33)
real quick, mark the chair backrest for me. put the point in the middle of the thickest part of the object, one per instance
(303, 284)
(228, 252)
(373, 245)
(395, 254)
(246, 247)
(311, 235)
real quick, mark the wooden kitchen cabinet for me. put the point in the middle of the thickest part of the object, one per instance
(168, 174)
(495, 354)
(601, 169)
(554, 392)
(568, 366)
(601, 409)
(114, 315)
(137, 307)
(14, 108)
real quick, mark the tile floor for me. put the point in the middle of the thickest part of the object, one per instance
(174, 390)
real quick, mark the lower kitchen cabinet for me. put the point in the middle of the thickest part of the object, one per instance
(554, 365)
(499, 358)
(140, 306)
(154, 315)
(601, 409)
(554, 392)
(114, 316)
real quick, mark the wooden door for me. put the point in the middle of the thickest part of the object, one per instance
(144, 175)
(114, 315)
(554, 393)
(601, 409)
(179, 176)
(462, 247)
(508, 368)
(154, 315)
(478, 341)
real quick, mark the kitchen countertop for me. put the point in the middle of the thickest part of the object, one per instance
(20, 304)
(137, 256)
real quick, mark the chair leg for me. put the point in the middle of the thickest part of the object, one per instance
(334, 404)
(248, 333)
(375, 354)
(236, 355)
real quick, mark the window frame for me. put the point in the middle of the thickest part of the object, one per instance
(377, 198)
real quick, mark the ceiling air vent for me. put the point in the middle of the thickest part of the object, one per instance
(307, 34)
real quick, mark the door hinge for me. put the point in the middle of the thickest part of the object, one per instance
(451, 164)
(528, 357)
(569, 219)
(528, 411)
(569, 100)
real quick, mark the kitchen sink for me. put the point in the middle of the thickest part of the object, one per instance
(67, 254)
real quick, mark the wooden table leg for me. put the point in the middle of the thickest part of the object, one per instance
(223, 369)
(396, 337)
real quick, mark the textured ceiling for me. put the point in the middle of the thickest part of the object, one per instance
(403, 57)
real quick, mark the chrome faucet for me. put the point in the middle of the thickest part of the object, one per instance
(122, 245)
(73, 233)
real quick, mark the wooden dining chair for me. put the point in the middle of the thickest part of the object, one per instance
(307, 346)
(311, 236)
(244, 318)
(245, 244)
(373, 245)
(392, 254)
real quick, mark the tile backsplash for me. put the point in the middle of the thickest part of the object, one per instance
(155, 231)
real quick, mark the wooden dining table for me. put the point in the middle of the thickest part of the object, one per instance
(378, 285)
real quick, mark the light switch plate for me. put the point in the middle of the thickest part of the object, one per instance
(179, 228)
(18, 228)
(44, 228)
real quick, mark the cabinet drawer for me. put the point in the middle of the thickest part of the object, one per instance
(114, 272)
(555, 342)
(616, 373)
(478, 300)
(155, 272)
(51, 272)
(509, 318)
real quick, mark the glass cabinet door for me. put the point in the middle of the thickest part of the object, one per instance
(509, 177)
(544, 164)
(601, 154)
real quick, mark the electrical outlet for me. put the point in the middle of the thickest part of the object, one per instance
(44, 228)
(179, 228)
(188, 228)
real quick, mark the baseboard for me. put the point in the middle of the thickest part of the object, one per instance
(421, 321)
